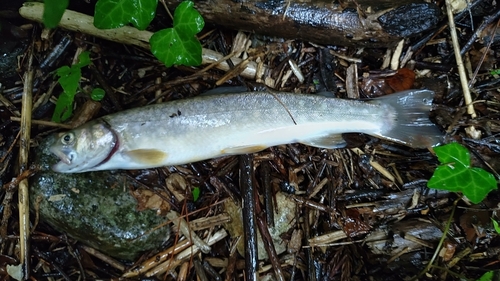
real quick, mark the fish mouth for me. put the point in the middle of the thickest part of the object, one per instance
(63, 157)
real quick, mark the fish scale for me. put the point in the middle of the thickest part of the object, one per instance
(204, 127)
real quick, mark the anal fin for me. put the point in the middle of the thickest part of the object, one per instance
(330, 142)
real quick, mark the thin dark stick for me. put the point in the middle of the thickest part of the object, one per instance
(487, 20)
(109, 91)
(268, 192)
(311, 268)
(249, 227)
(271, 251)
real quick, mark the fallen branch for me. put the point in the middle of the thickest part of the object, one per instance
(79, 22)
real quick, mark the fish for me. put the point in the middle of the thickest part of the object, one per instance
(204, 127)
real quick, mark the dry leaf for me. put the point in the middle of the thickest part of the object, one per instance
(147, 199)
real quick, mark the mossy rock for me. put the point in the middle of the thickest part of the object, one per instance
(95, 208)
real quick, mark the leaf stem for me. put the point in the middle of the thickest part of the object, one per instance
(441, 241)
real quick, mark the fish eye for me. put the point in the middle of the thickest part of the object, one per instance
(68, 138)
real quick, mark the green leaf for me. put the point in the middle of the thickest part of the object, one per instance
(453, 153)
(83, 59)
(53, 11)
(64, 108)
(187, 20)
(69, 79)
(63, 71)
(97, 94)
(488, 276)
(455, 174)
(69, 82)
(196, 193)
(495, 225)
(495, 72)
(171, 49)
(117, 13)
(178, 45)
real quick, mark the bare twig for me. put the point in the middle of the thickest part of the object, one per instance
(182, 226)
(45, 123)
(443, 237)
(23, 192)
(114, 263)
(8, 104)
(486, 21)
(478, 67)
(157, 259)
(460, 64)
(271, 251)
(186, 254)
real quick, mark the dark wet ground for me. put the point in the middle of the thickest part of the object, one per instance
(359, 213)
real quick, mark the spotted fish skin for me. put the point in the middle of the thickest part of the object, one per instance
(204, 127)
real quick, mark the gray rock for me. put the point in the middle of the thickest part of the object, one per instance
(95, 208)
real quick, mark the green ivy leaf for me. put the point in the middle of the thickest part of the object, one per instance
(53, 11)
(117, 13)
(187, 20)
(488, 276)
(453, 153)
(171, 49)
(83, 60)
(455, 174)
(63, 71)
(495, 225)
(69, 79)
(97, 94)
(196, 193)
(178, 45)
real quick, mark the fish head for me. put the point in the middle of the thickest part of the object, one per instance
(84, 148)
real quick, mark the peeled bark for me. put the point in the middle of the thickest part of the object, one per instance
(323, 22)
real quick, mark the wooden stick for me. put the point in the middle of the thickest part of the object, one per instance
(24, 147)
(247, 186)
(460, 64)
(45, 123)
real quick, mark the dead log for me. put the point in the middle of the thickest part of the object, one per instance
(322, 22)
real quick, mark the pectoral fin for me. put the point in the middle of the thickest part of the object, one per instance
(330, 142)
(147, 156)
(243, 149)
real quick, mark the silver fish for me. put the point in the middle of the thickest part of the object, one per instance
(204, 127)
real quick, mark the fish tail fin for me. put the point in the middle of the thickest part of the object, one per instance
(412, 125)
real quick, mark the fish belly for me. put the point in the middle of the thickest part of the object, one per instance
(207, 127)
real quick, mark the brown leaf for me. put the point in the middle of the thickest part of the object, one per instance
(402, 80)
(380, 84)
(147, 199)
(474, 224)
(354, 224)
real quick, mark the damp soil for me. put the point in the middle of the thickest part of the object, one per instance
(363, 212)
